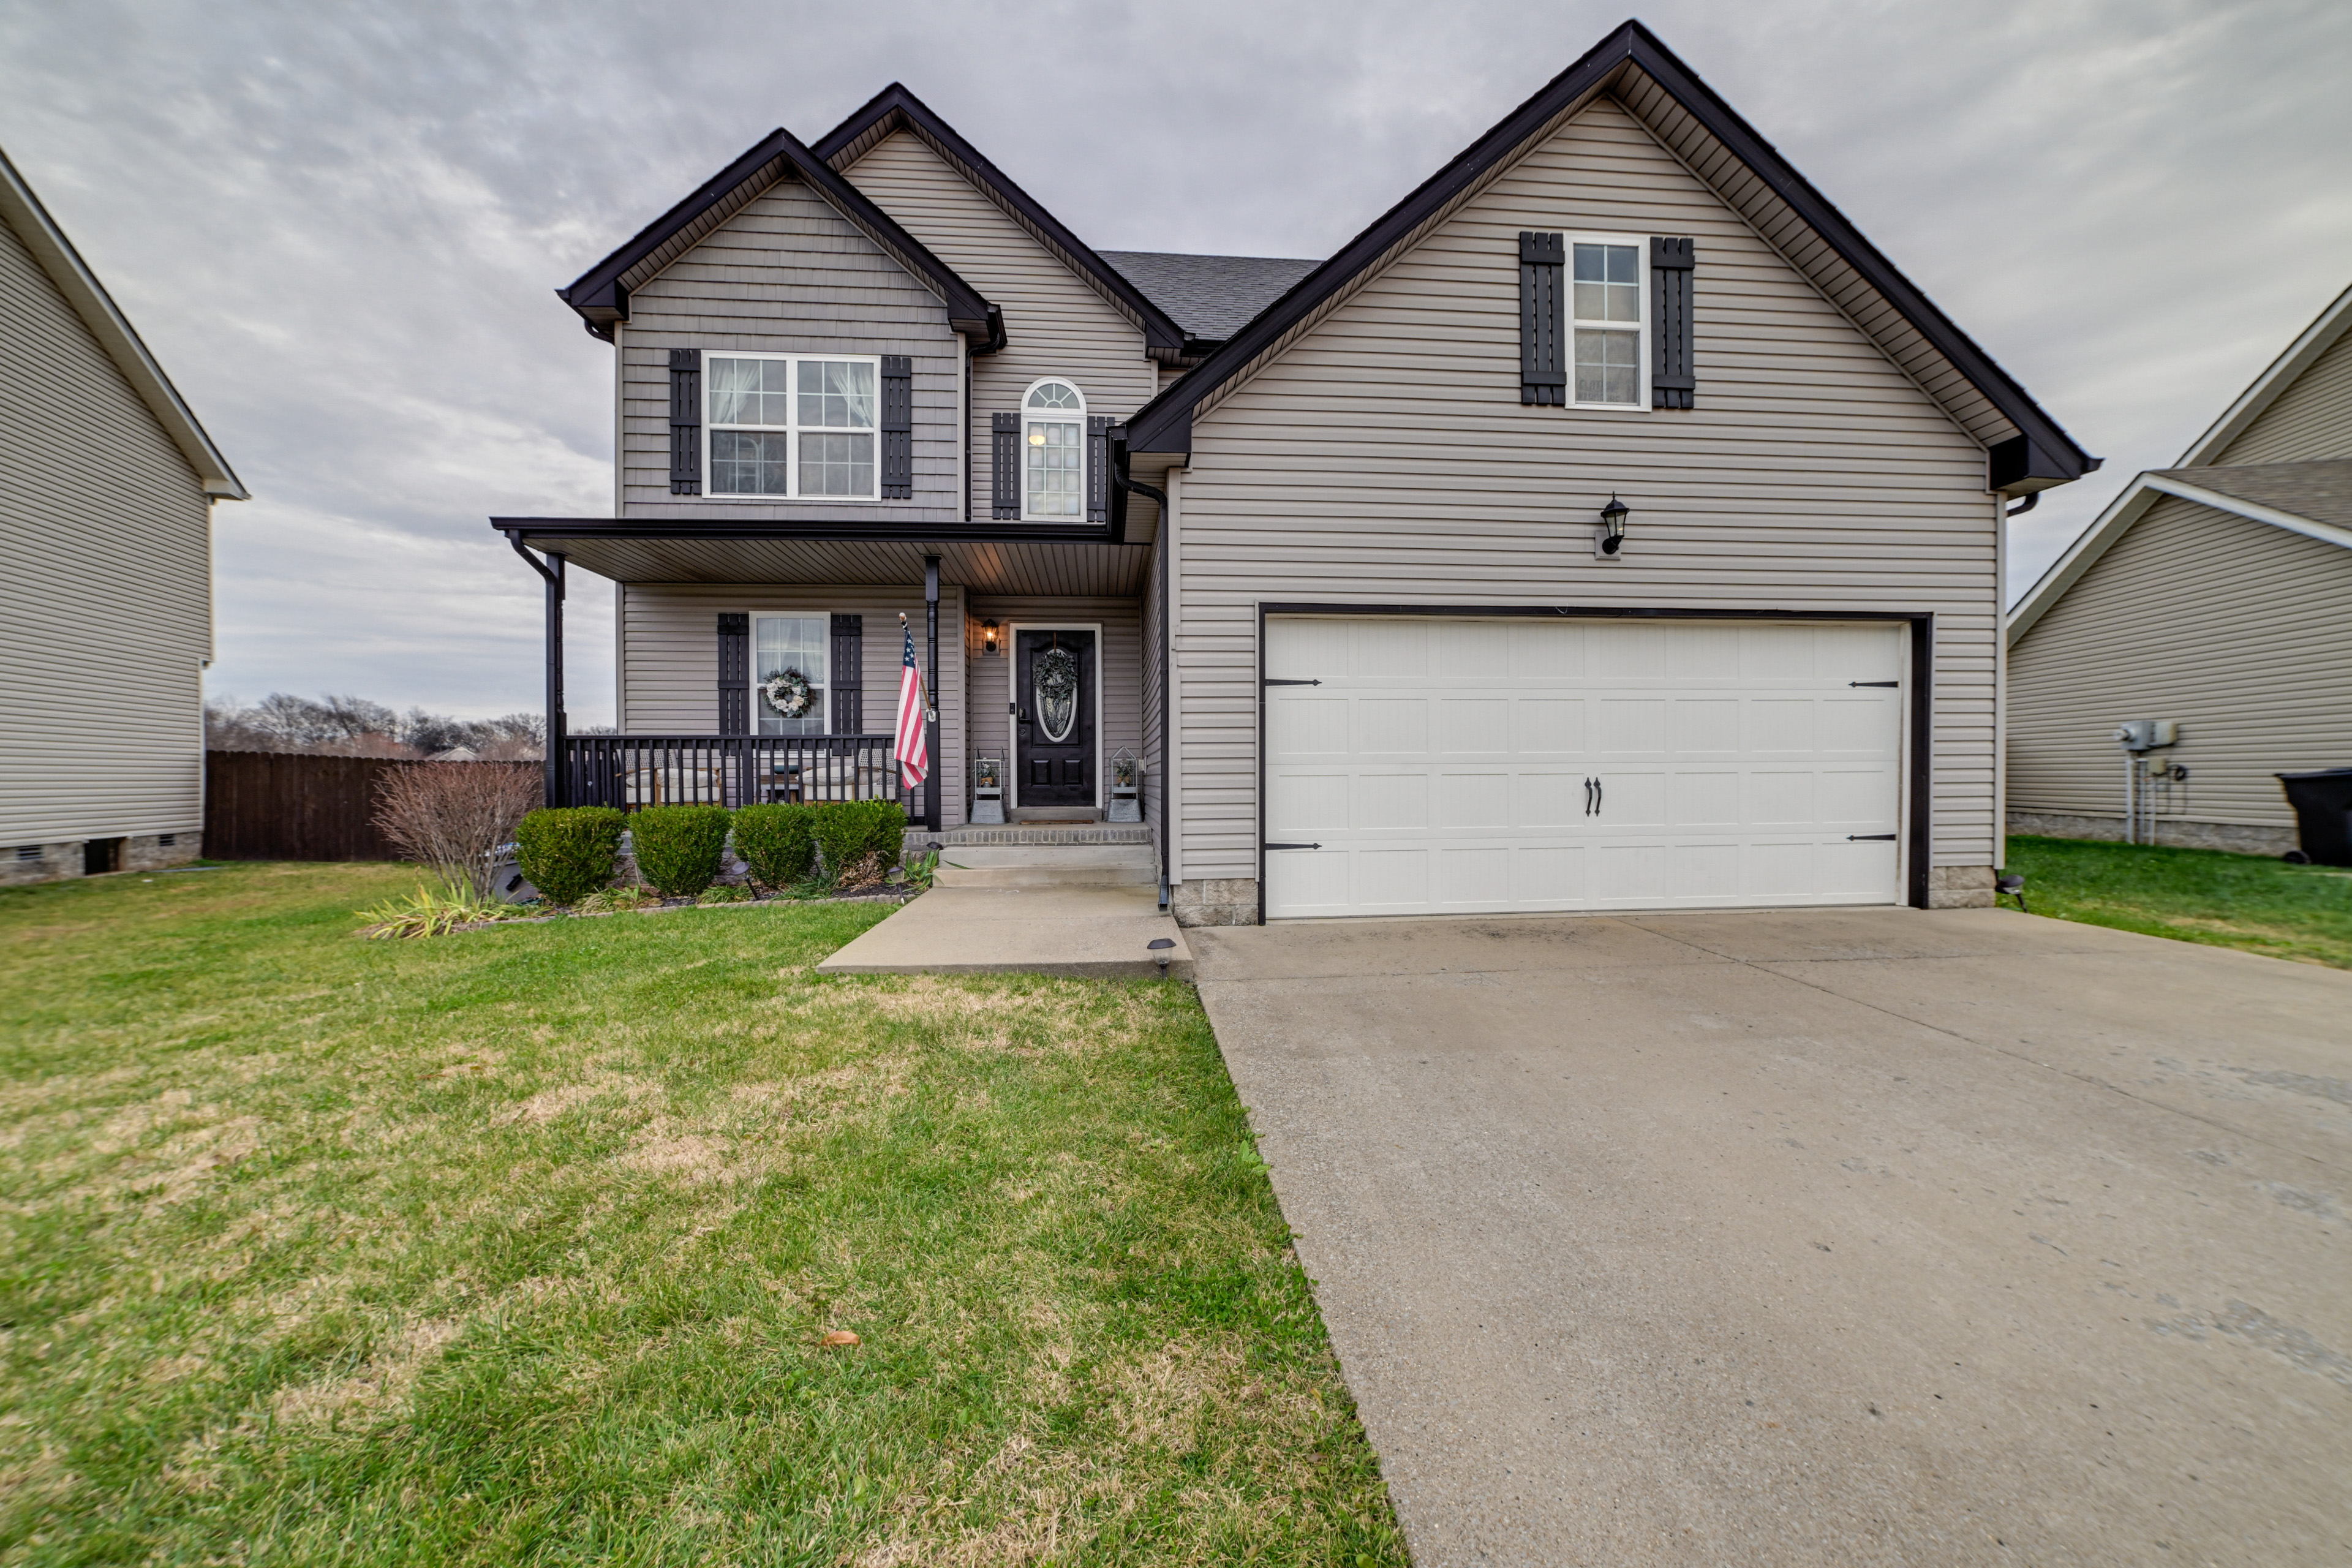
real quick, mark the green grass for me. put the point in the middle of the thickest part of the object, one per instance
(517, 1246)
(2249, 902)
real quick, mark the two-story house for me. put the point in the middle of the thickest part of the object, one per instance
(1609, 525)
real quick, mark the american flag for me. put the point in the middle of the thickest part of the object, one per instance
(914, 755)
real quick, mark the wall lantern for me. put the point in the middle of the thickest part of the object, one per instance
(1612, 525)
(988, 638)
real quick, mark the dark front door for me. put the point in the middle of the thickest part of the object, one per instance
(1053, 722)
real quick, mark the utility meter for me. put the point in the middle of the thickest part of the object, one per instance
(2146, 734)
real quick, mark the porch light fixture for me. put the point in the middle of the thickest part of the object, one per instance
(1612, 525)
(988, 639)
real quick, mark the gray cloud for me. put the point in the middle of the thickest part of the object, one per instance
(339, 229)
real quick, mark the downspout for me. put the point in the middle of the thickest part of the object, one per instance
(1119, 477)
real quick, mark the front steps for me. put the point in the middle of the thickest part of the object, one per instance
(1048, 864)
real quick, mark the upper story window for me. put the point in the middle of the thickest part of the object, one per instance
(1054, 436)
(1607, 309)
(792, 426)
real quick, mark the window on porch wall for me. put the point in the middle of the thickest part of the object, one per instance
(790, 642)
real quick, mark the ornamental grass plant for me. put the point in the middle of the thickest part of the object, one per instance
(568, 852)
(678, 847)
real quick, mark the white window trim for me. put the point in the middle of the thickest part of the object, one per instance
(1641, 351)
(825, 646)
(793, 430)
(1080, 419)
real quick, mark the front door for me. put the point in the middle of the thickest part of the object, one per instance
(1054, 717)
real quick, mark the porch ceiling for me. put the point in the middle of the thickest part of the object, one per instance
(630, 552)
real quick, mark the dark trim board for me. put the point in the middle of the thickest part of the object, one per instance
(850, 533)
(894, 106)
(1919, 780)
(1164, 425)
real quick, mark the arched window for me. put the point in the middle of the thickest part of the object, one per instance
(1054, 436)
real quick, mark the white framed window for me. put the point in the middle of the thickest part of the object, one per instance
(780, 643)
(1609, 320)
(792, 426)
(1054, 453)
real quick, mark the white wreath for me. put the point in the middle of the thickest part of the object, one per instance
(789, 693)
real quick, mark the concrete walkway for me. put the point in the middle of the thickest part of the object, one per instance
(1100, 931)
(1846, 1237)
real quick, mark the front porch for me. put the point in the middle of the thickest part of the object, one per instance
(709, 613)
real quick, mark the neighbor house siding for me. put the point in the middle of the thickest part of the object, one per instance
(1055, 324)
(669, 637)
(2311, 418)
(107, 596)
(2234, 629)
(788, 274)
(1385, 458)
(1120, 663)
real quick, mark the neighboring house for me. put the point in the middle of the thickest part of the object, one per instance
(1318, 543)
(107, 483)
(2216, 593)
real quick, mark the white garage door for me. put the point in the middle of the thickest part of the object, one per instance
(1458, 766)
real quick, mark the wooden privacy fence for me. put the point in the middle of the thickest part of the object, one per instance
(287, 805)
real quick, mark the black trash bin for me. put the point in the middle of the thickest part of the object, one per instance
(2322, 814)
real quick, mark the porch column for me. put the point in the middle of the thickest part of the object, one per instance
(931, 693)
(557, 775)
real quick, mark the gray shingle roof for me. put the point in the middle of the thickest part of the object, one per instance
(2320, 490)
(1211, 296)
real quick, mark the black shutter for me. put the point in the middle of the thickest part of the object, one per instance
(684, 422)
(849, 675)
(1098, 469)
(1004, 464)
(734, 673)
(897, 427)
(1543, 356)
(1674, 381)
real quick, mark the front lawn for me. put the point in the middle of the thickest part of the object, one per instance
(522, 1246)
(2250, 901)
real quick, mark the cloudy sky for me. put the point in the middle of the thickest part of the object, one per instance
(339, 227)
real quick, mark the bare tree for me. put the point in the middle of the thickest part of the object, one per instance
(452, 816)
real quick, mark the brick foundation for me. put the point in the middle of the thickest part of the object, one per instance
(1960, 888)
(62, 858)
(1215, 901)
(2238, 838)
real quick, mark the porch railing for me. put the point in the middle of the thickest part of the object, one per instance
(633, 770)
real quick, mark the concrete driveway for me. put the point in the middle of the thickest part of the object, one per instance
(1870, 1236)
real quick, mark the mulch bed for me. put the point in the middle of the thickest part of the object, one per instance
(667, 906)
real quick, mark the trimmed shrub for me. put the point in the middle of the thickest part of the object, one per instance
(678, 847)
(567, 852)
(847, 831)
(777, 842)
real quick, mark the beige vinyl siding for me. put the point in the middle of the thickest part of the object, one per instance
(106, 601)
(670, 641)
(1121, 664)
(1054, 322)
(2311, 418)
(2236, 629)
(788, 274)
(1386, 459)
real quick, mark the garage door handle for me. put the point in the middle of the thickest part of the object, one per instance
(1874, 683)
(1869, 838)
(1271, 680)
(1290, 846)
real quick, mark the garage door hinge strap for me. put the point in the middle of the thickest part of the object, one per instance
(1869, 838)
(1271, 680)
(1874, 683)
(1290, 846)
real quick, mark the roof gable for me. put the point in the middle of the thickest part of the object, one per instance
(600, 294)
(46, 243)
(894, 109)
(2307, 505)
(2282, 374)
(2030, 450)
